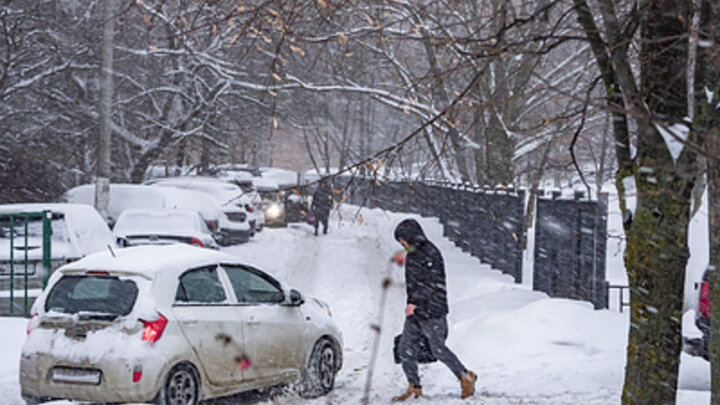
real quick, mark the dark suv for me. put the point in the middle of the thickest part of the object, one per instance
(702, 316)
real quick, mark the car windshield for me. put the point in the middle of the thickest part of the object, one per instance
(268, 196)
(151, 222)
(96, 294)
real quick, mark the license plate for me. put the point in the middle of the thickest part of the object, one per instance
(76, 375)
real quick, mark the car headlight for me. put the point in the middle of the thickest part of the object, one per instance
(273, 211)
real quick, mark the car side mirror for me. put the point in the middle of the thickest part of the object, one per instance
(295, 298)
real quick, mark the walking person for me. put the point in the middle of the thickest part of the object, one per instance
(321, 203)
(426, 310)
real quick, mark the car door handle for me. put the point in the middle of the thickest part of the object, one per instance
(252, 321)
(190, 322)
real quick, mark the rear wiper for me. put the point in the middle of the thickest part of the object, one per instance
(97, 316)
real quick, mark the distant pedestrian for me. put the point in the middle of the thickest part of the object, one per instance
(426, 310)
(321, 204)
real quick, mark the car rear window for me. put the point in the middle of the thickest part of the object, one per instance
(34, 228)
(98, 294)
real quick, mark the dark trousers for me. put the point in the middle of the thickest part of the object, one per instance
(435, 331)
(321, 219)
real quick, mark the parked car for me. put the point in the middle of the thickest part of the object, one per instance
(250, 198)
(173, 324)
(702, 315)
(124, 196)
(77, 230)
(272, 202)
(161, 227)
(236, 226)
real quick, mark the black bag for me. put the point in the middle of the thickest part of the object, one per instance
(424, 353)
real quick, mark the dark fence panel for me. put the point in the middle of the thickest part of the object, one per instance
(570, 242)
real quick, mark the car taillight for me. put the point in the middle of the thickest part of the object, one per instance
(30, 324)
(137, 373)
(704, 304)
(196, 242)
(154, 329)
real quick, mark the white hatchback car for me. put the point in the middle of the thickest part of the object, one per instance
(173, 324)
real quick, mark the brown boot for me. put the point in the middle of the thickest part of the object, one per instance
(467, 383)
(411, 391)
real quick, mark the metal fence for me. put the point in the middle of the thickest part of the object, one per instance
(570, 238)
(19, 273)
(570, 244)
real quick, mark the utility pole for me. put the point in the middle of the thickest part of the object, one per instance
(102, 168)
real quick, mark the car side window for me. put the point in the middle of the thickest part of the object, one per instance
(200, 286)
(254, 287)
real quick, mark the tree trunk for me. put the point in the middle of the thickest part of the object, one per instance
(656, 257)
(657, 249)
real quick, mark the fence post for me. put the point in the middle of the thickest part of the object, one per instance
(600, 290)
(47, 252)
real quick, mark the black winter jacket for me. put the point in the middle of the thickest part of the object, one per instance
(424, 272)
(322, 201)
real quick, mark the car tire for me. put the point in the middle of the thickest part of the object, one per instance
(181, 387)
(319, 375)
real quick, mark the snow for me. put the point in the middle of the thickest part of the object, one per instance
(150, 259)
(675, 137)
(263, 184)
(698, 237)
(709, 95)
(284, 178)
(163, 221)
(630, 194)
(525, 347)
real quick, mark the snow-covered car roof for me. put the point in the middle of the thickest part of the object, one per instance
(206, 204)
(122, 197)
(235, 175)
(149, 260)
(166, 221)
(262, 184)
(223, 190)
(283, 177)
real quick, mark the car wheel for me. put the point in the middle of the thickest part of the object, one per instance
(182, 386)
(320, 370)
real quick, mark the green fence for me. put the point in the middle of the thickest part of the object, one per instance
(22, 219)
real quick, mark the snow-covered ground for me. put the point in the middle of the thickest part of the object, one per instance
(525, 347)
